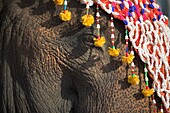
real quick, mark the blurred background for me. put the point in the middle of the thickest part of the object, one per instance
(165, 6)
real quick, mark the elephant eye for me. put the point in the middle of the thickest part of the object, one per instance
(87, 39)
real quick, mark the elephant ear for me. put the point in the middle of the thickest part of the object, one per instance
(7, 20)
(150, 36)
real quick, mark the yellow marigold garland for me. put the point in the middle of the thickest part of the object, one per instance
(113, 52)
(87, 20)
(58, 2)
(128, 59)
(65, 15)
(133, 79)
(148, 92)
(99, 42)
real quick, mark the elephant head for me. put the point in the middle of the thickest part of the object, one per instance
(51, 66)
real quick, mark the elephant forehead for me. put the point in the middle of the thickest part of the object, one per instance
(44, 32)
(44, 14)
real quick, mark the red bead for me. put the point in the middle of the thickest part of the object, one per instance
(147, 87)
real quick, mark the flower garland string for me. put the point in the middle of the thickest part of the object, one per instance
(87, 19)
(161, 110)
(100, 40)
(147, 92)
(112, 50)
(58, 2)
(128, 58)
(133, 79)
(65, 15)
(154, 104)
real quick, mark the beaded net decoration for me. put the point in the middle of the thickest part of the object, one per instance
(150, 37)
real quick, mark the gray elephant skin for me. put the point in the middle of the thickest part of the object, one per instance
(51, 66)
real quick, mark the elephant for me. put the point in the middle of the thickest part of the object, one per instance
(51, 66)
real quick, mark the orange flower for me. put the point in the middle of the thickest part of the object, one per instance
(147, 92)
(65, 15)
(128, 59)
(113, 52)
(133, 79)
(99, 42)
(58, 2)
(87, 20)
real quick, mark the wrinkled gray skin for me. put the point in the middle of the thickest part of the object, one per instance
(50, 66)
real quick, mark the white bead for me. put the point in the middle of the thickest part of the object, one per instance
(162, 110)
(126, 37)
(132, 64)
(112, 35)
(154, 101)
(87, 6)
(65, 2)
(112, 24)
(132, 52)
(98, 14)
(145, 70)
(90, 2)
(146, 79)
(98, 25)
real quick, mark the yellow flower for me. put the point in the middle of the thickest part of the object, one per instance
(65, 15)
(99, 42)
(128, 59)
(147, 92)
(87, 20)
(133, 79)
(58, 2)
(113, 52)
